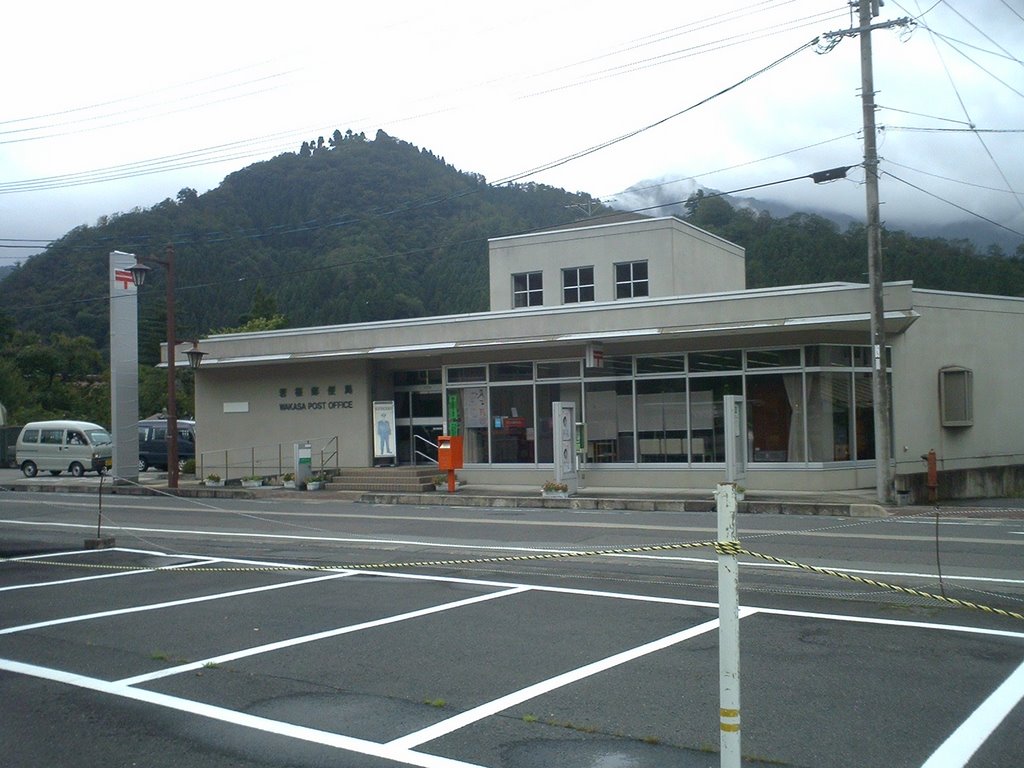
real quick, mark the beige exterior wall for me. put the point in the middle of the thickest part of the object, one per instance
(682, 259)
(981, 333)
(244, 419)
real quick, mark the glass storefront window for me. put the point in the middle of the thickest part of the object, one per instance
(828, 356)
(707, 424)
(417, 378)
(773, 358)
(614, 365)
(775, 426)
(558, 369)
(862, 357)
(864, 414)
(512, 371)
(608, 409)
(471, 407)
(828, 416)
(467, 374)
(661, 428)
(725, 360)
(546, 395)
(655, 365)
(512, 427)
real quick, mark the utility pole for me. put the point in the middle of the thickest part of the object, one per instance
(879, 375)
(880, 390)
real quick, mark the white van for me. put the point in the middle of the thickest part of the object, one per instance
(55, 446)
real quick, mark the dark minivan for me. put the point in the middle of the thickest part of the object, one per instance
(153, 443)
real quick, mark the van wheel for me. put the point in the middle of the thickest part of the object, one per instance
(29, 469)
(143, 465)
(76, 469)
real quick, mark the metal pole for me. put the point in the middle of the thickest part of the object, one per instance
(728, 628)
(879, 376)
(172, 395)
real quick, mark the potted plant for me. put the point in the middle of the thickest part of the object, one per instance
(315, 482)
(288, 478)
(554, 490)
(213, 480)
(252, 481)
(441, 482)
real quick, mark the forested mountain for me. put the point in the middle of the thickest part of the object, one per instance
(345, 231)
(353, 229)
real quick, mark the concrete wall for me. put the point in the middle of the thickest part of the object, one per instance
(682, 259)
(243, 418)
(981, 333)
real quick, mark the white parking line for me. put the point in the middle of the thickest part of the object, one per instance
(235, 655)
(326, 738)
(546, 686)
(170, 603)
(958, 749)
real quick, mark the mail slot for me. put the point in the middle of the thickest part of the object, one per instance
(449, 452)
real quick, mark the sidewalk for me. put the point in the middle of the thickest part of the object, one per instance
(861, 503)
(852, 504)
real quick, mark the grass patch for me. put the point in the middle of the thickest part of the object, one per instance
(439, 703)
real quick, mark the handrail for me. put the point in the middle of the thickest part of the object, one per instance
(426, 456)
(268, 459)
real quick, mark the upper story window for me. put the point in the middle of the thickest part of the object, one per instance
(527, 289)
(631, 280)
(577, 284)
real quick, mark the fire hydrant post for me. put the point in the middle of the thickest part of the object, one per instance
(933, 475)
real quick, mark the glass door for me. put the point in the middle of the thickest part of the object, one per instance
(419, 419)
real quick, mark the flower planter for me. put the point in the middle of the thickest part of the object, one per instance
(214, 483)
(314, 485)
(289, 483)
(555, 494)
(252, 483)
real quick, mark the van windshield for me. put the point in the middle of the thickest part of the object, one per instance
(99, 437)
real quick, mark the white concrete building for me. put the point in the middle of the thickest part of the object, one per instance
(660, 310)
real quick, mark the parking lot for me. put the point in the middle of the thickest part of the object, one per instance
(146, 656)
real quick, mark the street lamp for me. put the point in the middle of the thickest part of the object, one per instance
(195, 356)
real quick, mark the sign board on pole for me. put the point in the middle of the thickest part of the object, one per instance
(735, 439)
(124, 368)
(563, 420)
(384, 430)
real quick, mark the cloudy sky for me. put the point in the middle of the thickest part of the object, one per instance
(113, 105)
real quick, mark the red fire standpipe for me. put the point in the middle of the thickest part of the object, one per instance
(933, 476)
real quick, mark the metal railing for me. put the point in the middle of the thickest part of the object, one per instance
(427, 456)
(269, 460)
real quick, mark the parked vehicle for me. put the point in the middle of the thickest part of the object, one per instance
(153, 442)
(58, 446)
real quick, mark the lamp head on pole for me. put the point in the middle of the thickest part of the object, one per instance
(138, 270)
(194, 355)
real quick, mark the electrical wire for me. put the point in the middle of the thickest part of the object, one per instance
(955, 205)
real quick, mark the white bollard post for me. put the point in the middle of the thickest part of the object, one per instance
(728, 629)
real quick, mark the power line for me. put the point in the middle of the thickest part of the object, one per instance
(955, 205)
(372, 258)
(280, 141)
(595, 148)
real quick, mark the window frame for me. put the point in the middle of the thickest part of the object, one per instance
(579, 288)
(531, 295)
(632, 282)
(956, 409)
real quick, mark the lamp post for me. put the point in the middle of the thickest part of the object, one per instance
(195, 356)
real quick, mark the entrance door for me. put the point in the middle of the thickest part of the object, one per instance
(419, 419)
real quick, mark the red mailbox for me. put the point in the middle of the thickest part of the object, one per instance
(449, 452)
(449, 457)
